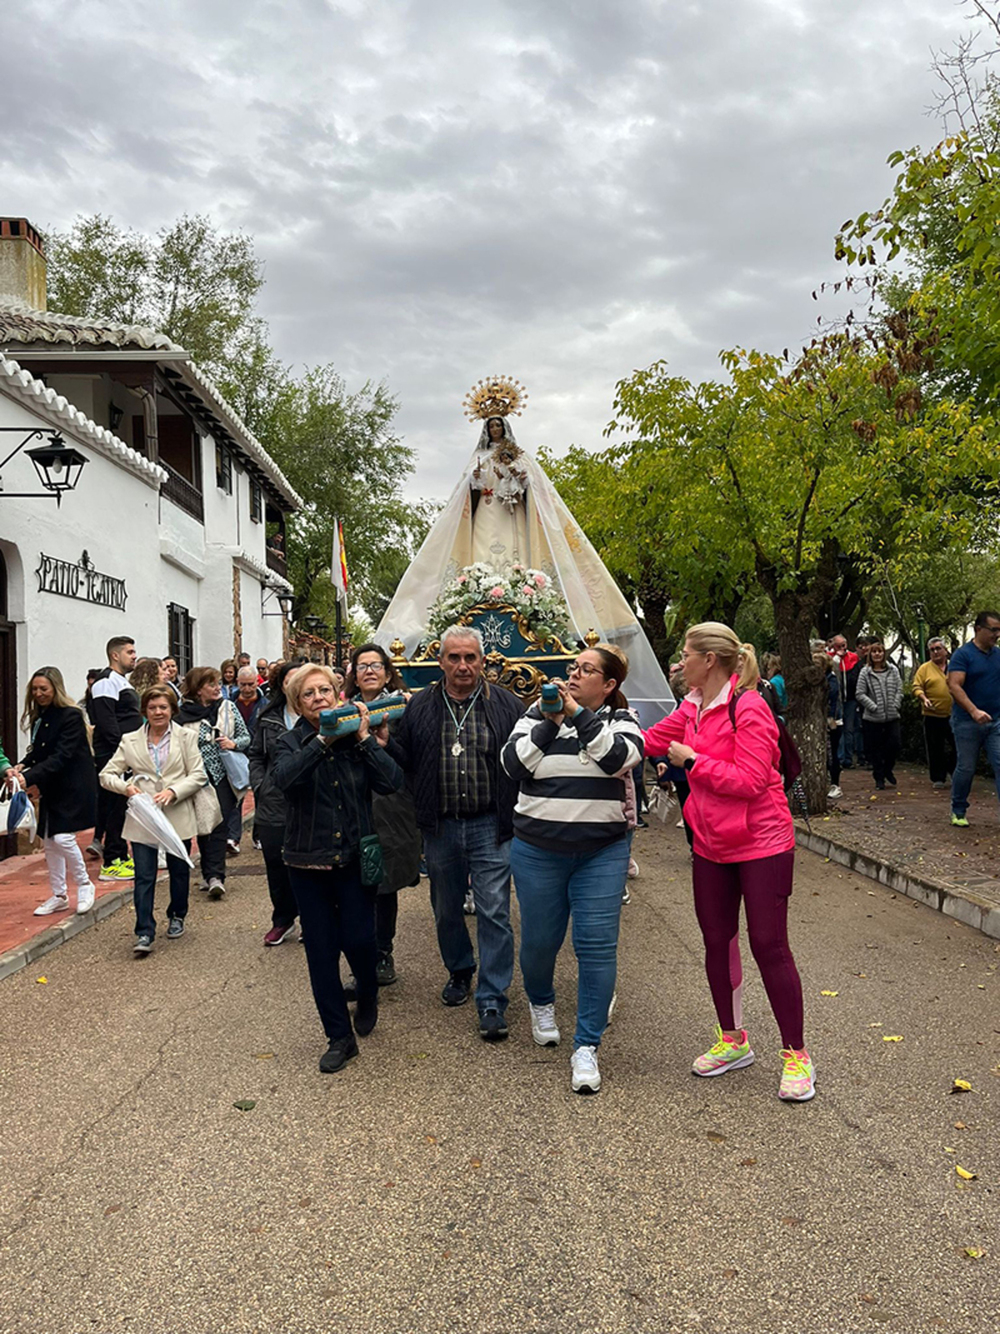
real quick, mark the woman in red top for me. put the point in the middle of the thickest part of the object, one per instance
(744, 843)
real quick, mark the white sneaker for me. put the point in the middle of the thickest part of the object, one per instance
(834, 793)
(586, 1076)
(85, 899)
(543, 1025)
(57, 903)
(633, 868)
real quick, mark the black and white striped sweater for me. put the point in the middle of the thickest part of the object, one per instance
(570, 779)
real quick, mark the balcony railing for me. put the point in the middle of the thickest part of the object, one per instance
(183, 494)
(276, 561)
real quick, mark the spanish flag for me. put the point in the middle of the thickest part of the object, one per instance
(338, 569)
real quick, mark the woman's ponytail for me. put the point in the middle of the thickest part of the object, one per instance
(749, 671)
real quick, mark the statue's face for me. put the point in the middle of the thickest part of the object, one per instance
(495, 428)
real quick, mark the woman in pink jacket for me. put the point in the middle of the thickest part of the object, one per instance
(744, 844)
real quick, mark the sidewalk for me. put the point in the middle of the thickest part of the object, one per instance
(24, 884)
(902, 838)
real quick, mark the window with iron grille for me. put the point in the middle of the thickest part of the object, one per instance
(224, 469)
(180, 637)
(256, 502)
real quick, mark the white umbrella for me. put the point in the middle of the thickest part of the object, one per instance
(153, 820)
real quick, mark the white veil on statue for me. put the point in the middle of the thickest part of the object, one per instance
(505, 511)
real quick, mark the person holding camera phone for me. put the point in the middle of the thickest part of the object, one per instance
(570, 850)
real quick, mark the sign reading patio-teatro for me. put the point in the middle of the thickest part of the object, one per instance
(80, 581)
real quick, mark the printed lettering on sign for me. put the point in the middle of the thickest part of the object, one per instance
(80, 581)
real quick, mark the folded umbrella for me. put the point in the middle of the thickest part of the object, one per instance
(153, 820)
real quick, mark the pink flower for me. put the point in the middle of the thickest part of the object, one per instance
(496, 592)
(540, 580)
(462, 578)
(528, 591)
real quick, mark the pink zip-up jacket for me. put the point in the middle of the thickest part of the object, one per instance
(737, 809)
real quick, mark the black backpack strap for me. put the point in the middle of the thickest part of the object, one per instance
(733, 700)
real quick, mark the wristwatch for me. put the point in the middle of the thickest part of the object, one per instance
(689, 762)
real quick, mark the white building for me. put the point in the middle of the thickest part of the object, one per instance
(174, 534)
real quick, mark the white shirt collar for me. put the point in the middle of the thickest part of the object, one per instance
(695, 696)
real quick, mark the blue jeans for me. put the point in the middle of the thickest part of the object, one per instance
(460, 851)
(851, 742)
(144, 886)
(551, 886)
(969, 738)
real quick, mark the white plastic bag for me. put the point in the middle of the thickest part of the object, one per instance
(661, 804)
(153, 820)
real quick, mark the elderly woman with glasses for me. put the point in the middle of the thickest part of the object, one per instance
(371, 676)
(570, 850)
(328, 783)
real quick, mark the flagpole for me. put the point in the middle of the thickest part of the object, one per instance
(337, 634)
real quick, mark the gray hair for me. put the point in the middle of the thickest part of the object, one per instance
(462, 632)
(247, 674)
(935, 639)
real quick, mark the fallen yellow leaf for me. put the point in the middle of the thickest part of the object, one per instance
(892, 1037)
(947, 1150)
(961, 1086)
(974, 1253)
(966, 1176)
(41, 979)
(829, 993)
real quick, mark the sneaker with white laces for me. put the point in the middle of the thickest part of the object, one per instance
(726, 1054)
(57, 903)
(85, 899)
(586, 1077)
(543, 1025)
(798, 1078)
(143, 945)
(834, 793)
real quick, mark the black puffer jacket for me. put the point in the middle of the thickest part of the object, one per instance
(269, 800)
(416, 744)
(328, 794)
(60, 764)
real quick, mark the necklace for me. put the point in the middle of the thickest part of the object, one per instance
(456, 749)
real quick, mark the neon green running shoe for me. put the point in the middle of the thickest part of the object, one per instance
(798, 1079)
(959, 820)
(725, 1055)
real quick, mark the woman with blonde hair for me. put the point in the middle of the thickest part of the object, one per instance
(570, 850)
(59, 768)
(146, 673)
(726, 738)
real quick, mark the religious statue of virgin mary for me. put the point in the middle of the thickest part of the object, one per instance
(503, 513)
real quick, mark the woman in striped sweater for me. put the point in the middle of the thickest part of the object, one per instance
(569, 854)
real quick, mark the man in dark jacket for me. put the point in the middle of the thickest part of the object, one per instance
(114, 711)
(448, 742)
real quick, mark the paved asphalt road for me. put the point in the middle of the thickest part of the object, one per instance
(440, 1184)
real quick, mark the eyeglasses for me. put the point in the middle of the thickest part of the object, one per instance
(317, 692)
(583, 669)
(370, 667)
(694, 653)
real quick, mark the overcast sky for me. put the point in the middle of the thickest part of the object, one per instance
(560, 190)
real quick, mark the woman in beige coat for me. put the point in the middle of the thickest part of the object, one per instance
(165, 761)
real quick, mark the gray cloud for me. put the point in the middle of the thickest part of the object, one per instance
(556, 190)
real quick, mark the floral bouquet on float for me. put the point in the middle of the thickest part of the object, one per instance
(532, 595)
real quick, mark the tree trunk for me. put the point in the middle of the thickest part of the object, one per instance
(806, 686)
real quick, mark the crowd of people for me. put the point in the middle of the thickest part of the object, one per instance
(465, 779)
(469, 786)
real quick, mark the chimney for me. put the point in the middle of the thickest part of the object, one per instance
(22, 263)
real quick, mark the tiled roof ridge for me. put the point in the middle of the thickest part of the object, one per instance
(39, 396)
(140, 334)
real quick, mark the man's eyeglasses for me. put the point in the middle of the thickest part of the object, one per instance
(583, 669)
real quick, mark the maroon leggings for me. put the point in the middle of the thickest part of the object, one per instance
(764, 886)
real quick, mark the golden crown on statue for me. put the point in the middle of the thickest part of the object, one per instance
(496, 396)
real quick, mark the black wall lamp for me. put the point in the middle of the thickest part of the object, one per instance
(58, 466)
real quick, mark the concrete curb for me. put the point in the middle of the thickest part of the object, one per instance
(963, 905)
(21, 956)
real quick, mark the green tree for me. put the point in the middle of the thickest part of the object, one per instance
(789, 472)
